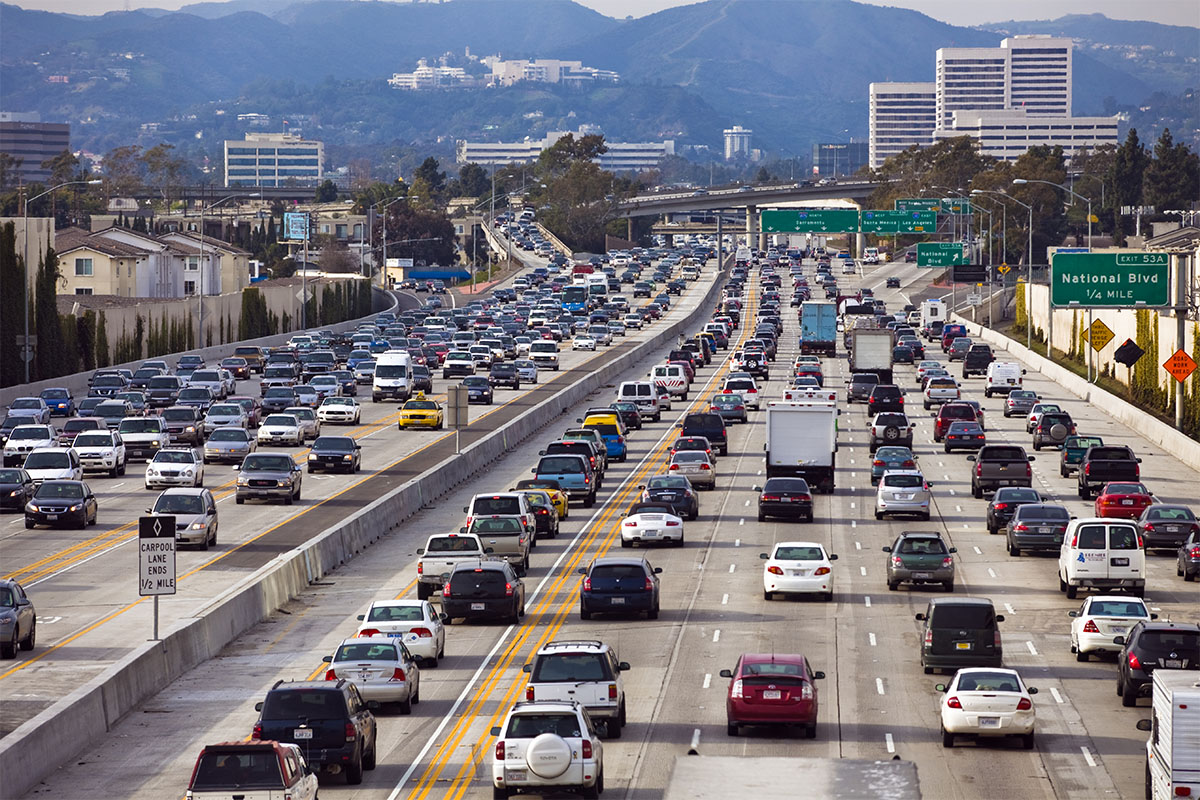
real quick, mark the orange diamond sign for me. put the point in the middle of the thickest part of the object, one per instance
(1180, 365)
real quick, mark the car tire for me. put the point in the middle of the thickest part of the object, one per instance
(893, 585)
(1072, 592)
(584, 613)
(878, 515)
(976, 492)
(9, 649)
(1013, 550)
(612, 729)
(949, 586)
(1080, 655)
(405, 706)
(731, 728)
(29, 641)
(288, 500)
(947, 738)
(116, 470)
(1128, 694)
(500, 793)
(828, 597)
(652, 613)
(369, 760)
(810, 731)
(354, 772)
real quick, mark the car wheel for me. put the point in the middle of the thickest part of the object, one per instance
(828, 597)
(767, 595)
(1013, 550)
(584, 613)
(369, 760)
(893, 585)
(405, 705)
(500, 793)
(289, 499)
(1128, 694)
(948, 586)
(239, 500)
(652, 613)
(1080, 655)
(9, 649)
(626, 544)
(116, 470)
(612, 729)
(810, 731)
(977, 492)
(29, 641)
(1072, 592)
(354, 771)
(878, 515)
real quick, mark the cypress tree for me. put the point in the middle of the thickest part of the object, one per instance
(102, 350)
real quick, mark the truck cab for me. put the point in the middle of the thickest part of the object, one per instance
(439, 555)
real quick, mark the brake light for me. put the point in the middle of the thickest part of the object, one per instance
(774, 570)
(953, 703)
(612, 691)
(673, 524)
(629, 523)
(508, 589)
(822, 571)
(1028, 470)
(351, 732)
(1133, 661)
(257, 732)
(947, 561)
(735, 691)
(500, 750)
(398, 674)
(1090, 627)
(420, 568)
(529, 693)
(1140, 542)
(585, 748)
(1024, 704)
(423, 633)
(446, 589)
(674, 466)
(1087, 469)
(1149, 527)
(1000, 505)
(979, 470)
(996, 642)
(365, 632)
(1020, 527)
(330, 675)
(705, 466)
(1194, 552)
(649, 585)
(587, 584)
(877, 463)
(771, 498)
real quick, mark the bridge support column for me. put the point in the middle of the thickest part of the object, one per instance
(860, 244)
(720, 244)
(629, 228)
(751, 225)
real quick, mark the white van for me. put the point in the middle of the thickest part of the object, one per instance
(690, 273)
(393, 377)
(1101, 553)
(1003, 377)
(673, 378)
(642, 393)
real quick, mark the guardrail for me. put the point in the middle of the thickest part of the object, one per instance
(58, 734)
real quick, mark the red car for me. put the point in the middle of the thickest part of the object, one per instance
(1123, 500)
(951, 412)
(688, 369)
(772, 689)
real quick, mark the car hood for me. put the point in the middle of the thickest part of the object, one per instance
(261, 474)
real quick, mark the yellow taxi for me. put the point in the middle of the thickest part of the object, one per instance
(557, 496)
(421, 412)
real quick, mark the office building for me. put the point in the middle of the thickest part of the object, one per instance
(273, 159)
(901, 115)
(30, 142)
(737, 142)
(1039, 74)
(427, 77)
(545, 70)
(835, 159)
(1008, 134)
(970, 79)
(620, 155)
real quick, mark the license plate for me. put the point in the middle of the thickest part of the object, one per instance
(478, 606)
(772, 694)
(302, 733)
(1120, 562)
(962, 645)
(1119, 629)
(922, 576)
(1045, 530)
(515, 774)
(618, 601)
(1173, 663)
(989, 722)
(1126, 502)
(52, 516)
(904, 497)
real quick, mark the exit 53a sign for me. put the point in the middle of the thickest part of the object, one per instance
(1110, 280)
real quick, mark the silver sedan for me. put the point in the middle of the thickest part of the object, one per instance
(696, 466)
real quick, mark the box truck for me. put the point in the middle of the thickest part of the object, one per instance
(802, 442)
(871, 351)
(1173, 749)
(818, 328)
(932, 310)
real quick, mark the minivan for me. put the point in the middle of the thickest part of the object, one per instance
(960, 632)
(644, 395)
(1101, 553)
(709, 425)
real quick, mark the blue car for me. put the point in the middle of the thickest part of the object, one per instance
(572, 472)
(619, 584)
(59, 401)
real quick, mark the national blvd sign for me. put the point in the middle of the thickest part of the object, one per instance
(942, 254)
(1110, 280)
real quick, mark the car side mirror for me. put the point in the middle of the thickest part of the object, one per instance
(495, 731)
(726, 673)
(582, 570)
(420, 552)
(361, 617)
(328, 659)
(919, 616)
(970, 458)
(149, 511)
(999, 618)
(462, 530)
(658, 570)
(1031, 458)
(886, 549)
(258, 706)
(534, 470)
(1154, 616)
(1031, 689)
(1138, 460)
(953, 549)
(1144, 725)
(833, 556)
(527, 668)
(940, 687)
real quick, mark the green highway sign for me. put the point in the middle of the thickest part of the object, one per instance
(918, 204)
(942, 254)
(899, 221)
(810, 220)
(952, 205)
(1110, 280)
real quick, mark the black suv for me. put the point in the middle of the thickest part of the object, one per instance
(885, 397)
(976, 361)
(505, 375)
(1150, 646)
(709, 425)
(329, 720)
(486, 589)
(960, 632)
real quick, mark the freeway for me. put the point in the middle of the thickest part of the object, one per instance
(875, 703)
(83, 581)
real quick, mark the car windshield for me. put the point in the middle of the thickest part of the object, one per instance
(88, 439)
(902, 481)
(989, 682)
(475, 381)
(147, 425)
(281, 420)
(10, 476)
(922, 545)
(963, 615)
(1048, 513)
(46, 460)
(420, 405)
(1170, 513)
(690, 457)
(26, 402)
(343, 444)
(1017, 495)
(51, 490)
(798, 553)
(174, 457)
(229, 435)
(965, 427)
(1186, 643)
(667, 482)
(560, 465)
(38, 433)
(268, 463)
(366, 651)
(1117, 608)
(179, 504)
(225, 411)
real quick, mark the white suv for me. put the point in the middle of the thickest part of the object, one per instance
(585, 671)
(549, 745)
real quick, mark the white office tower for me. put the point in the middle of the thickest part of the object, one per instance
(901, 115)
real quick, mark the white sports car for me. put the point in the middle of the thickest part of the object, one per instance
(987, 701)
(651, 522)
(281, 429)
(343, 410)
(583, 342)
(414, 622)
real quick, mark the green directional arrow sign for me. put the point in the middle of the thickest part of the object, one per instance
(810, 220)
(918, 204)
(942, 254)
(953, 205)
(899, 221)
(1110, 280)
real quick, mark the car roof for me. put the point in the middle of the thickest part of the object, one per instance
(770, 658)
(920, 534)
(960, 601)
(621, 560)
(574, 645)
(799, 544)
(187, 491)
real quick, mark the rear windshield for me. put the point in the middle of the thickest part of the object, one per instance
(488, 581)
(1044, 512)
(902, 481)
(1108, 453)
(1003, 454)
(618, 571)
(496, 505)
(571, 667)
(499, 526)
(1117, 608)
(922, 545)
(366, 651)
(970, 617)
(312, 704)
(223, 771)
(560, 465)
(798, 553)
(396, 614)
(529, 726)
(1183, 642)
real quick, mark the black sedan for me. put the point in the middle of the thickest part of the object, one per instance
(57, 503)
(16, 487)
(893, 283)
(674, 490)
(785, 497)
(964, 436)
(1004, 504)
(629, 413)
(479, 389)
(335, 454)
(505, 375)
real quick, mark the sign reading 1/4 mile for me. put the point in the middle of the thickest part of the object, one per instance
(1110, 280)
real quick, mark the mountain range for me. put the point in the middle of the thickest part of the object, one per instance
(795, 72)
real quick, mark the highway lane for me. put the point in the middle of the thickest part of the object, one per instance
(82, 581)
(875, 701)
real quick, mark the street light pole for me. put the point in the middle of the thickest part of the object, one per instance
(1070, 191)
(1028, 270)
(26, 350)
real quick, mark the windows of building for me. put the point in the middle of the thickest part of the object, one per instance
(84, 267)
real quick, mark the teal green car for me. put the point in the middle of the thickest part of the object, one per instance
(1072, 453)
(891, 457)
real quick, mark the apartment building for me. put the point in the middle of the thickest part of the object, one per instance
(902, 114)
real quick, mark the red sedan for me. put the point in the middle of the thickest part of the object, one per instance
(772, 689)
(1123, 500)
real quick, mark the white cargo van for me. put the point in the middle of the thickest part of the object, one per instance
(1101, 553)
(1003, 377)
(393, 377)
(642, 393)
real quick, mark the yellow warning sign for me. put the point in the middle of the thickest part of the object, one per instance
(1099, 335)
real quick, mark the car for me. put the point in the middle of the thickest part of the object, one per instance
(960, 632)
(949, 413)
(772, 689)
(416, 623)
(920, 558)
(58, 401)
(330, 719)
(1052, 430)
(892, 282)
(335, 454)
(583, 341)
(964, 436)
(53, 463)
(986, 703)
(619, 584)
(745, 387)
(34, 409)
(903, 491)
(195, 513)
(276, 769)
(18, 619)
(785, 497)
(175, 466)
(1035, 413)
(228, 445)
(224, 415)
(674, 490)
(958, 348)
(890, 428)
(506, 374)
(527, 370)
(381, 667)
(57, 503)
(885, 397)
(280, 429)
(1101, 618)
(1005, 501)
(269, 476)
(479, 389)
(339, 410)
(306, 417)
(696, 465)
(731, 407)
(16, 487)
(1150, 646)
(651, 522)
(587, 671)
(940, 390)
(547, 745)
(24, 439)
(237, 366)
(1123, 500)
(1164, 526)
(306, 396)
(1036, 526)
(798, 568)
(889, 457)
(485, 589)
(421, 412)
(1187, 557)
(1019, 402)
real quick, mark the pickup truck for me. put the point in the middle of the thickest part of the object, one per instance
(144, 436)
(1106, 463)
(440, 554)
(1072, 452)
(999, 465)
(255, 770)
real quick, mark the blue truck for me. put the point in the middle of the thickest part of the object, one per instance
(818, 328)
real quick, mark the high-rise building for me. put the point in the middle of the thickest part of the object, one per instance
(273, 159)
(835, 159)
(902, 115)
(1039, 74)
(737, 142)
(970, 79)
(30, 142)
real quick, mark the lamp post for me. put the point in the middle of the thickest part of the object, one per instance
(1028, 264)
(200, 282)
(26, 350)
(1070, 191)
(386, 205)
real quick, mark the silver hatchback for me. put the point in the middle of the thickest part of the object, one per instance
(195, 513)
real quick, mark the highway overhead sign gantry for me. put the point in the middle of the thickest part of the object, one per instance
(1110, 280)
(886, 221)
(942, 254)
(918, 204)
(810, 220)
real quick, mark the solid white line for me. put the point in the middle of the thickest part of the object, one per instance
(732, 567)
(867, 600)
(879, 685)
(117, 485)
(991, 572)
(716, 636)
(871, 639)
(724, 599)
(863, 571)
(707, 680)
(1008, 607)
(1087, 756)
(891, 744)
(1054, 693)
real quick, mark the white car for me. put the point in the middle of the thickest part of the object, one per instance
(940, 390)
(481, 355)
(633, 321)
(101, 451)
(696, 465)
(523, 345)
(280, 429)
(544, 745)
(903, 491)
(601, 334)
(54, 464)
(527, 370)
(987, 701)
(544, 354)
(310, 426)
(416, 623)
(1035, 414)
(175, 466)
(583, 341)
(747, 387)
(1100, 619)
(24, 439)
(381, 667)
(798, 568)
(652, 522)
(340, 410)
(326, 385)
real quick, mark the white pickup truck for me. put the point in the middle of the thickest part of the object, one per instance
(144, 436)
(439, 556)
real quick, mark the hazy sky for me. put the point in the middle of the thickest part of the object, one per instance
(957, 12)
